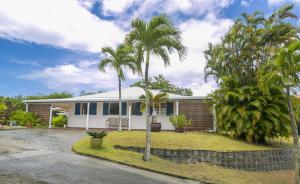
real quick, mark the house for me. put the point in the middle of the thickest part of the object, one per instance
(103, 110)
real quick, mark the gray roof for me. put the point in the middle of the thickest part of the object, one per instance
(128, 94)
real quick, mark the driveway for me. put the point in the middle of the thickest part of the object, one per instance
(37, 156)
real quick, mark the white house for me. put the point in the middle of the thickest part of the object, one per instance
(103, 110)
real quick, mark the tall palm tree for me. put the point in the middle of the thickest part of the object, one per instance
(118, 60)
(284, 71)
(158, 37)
(154, 102)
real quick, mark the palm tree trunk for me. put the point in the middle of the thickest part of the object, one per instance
(148, 123)
(295, 136)
(120, 106)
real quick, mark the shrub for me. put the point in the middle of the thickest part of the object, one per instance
(24, 118)
(60, 121)
(179, 121)
(95, 134)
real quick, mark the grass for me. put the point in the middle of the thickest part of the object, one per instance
(203, 172)
(190, 140)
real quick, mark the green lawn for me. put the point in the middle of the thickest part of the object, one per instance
(191, 140)
(202, 172)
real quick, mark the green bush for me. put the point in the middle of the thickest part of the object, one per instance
(60, 121)
(95, 134)
(179, 121)
(24, 118)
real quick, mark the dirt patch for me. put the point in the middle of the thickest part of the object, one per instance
(9, 178)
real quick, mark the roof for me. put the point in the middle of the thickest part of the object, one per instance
(128, 94)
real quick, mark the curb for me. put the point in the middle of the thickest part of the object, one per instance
(138, 167)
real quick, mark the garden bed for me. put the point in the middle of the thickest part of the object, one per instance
(200, 171)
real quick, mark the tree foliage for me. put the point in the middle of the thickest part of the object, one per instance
(161, 83)
(243, 109)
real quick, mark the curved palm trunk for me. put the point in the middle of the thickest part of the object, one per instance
(295, 136)
(120, 106)
(148, 123)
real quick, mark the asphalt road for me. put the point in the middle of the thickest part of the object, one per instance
(37, 156)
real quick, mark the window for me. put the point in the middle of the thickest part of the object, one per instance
(135, 108)
(113, 108)
(163, 109)
(83, 108)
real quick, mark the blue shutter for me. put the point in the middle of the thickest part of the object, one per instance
(105, 108)
(93, 108)
(124, 108)
(77, 108)
(138, 109)
(169, 108)
(151, 110)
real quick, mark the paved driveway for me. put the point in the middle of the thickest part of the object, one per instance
(44, 156)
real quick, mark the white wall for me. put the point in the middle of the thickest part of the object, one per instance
(99, 120)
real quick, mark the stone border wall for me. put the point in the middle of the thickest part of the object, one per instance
(266, 160)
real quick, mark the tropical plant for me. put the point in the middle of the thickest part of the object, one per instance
(118, 60)
(60, 120)
(55, 95)
(161, 83)
(99, 135)
(158, 37)
(180, 122)
(154, 102)
(246, 112)
(284, 72)
(251, 42)
(25, 118)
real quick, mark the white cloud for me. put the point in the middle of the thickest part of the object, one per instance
(74, 77)
(187, 7)
(59, 23)
(279, 2)
(116, 6)
(245, 3)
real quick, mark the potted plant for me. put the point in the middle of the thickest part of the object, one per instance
(96, 138)
(179, 122)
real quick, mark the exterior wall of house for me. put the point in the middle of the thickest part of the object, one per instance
(99, 120)
(43, 111)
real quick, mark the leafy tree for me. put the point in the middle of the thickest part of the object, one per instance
(11, 104)
(55, 95)
(118, 60)
(246, 112)
(284, 71)
(154, 102)
(161, 83)
(158, 37)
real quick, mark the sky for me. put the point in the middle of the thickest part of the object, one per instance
(54, 45)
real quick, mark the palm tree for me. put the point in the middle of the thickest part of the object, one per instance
(119, 59)
(284, 71)
(154, 102)
(158, 37)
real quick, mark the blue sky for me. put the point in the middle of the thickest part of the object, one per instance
(53, 45)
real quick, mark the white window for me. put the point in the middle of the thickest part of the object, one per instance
(163, 109)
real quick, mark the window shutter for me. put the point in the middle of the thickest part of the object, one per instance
(124, 108)
(138, 109)
(93, 108)
(77, 108)
(169, 108)
(151, 110)
(105, 108)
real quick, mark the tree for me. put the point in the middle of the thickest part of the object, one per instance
(284, 71)
(54, 95)
(158, 37)
(118, 60)
(154, 102)
(161, 83)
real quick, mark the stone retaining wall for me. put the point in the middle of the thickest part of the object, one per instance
(266, 160)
